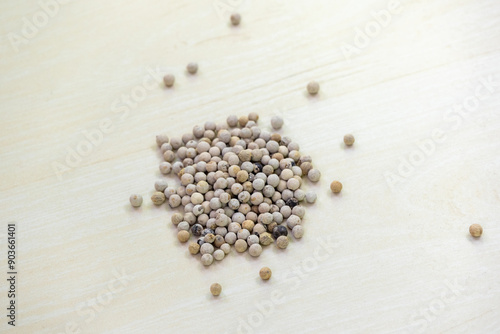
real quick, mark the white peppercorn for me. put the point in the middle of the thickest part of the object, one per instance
(243, 234)
(174, 200)
(313, 87)
(255, 250)
(194, 248)
(135, 200)
(169, 80)
(219, 255)
(311, 197)
(336, 187)
(277, 122)
(299, 211)
(158, 198)
(349, 139)
(183, 226)
(226, 248)
(476, 230)
(293, 184)
(165, 168)
(314, 175)
(230, 238)
(298, 231)
(293, 221)
(235, 20)
(183, 236)
(240, 245)
(192, 68)
(265, 238)
(282, 242)
(207, 259)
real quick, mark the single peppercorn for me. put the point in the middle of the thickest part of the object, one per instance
(240, 245)
(194, 248)
(192, 68)
(235, 19)
(207, 259)
(255, 250)
(292, 202)
(158, 198)
(215, 289)
(349, 139)
(169, 80)
(277, 123)
(135, 200)
(183, 236)
(197, 229)
(476, 230)
(314, 175)
(282, 242)
(253, 116)
(336, 187)
(313, 88)
(265, 273)
(279, 231)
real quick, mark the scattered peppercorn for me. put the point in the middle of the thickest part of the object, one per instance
(313, 87)
(169, 80)
(265, 273)
(192, 68)
(476, 230)
(136, 200)
(215, 289)
(235, 19)
(277, 122)
(349, 139)
(336, 187)
(158, 198)
(282, 242)
(183, 236)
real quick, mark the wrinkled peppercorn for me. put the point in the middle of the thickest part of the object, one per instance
(197, 230)
(292, 202)
(279, 230)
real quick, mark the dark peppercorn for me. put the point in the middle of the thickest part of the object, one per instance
(200, 241)
(207, 231)
(197, 229)
(292, 202)
(293, 163)
(279, 230)
(257, 167)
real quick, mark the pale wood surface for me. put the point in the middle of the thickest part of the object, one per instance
(396, 250)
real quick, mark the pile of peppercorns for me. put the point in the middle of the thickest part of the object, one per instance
(240, 186)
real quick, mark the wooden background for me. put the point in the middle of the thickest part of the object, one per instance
(421, 95)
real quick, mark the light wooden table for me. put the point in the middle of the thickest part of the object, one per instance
(391, 254)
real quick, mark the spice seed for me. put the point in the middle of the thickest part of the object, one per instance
(169, 80)
(216, 289)
(192, 68)
(265, 273)
(349, 139)
(476, 230)
(277, 122)
(336, 187)
(313, 87)
(183, 236)
(235, 19)
(136, 200)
